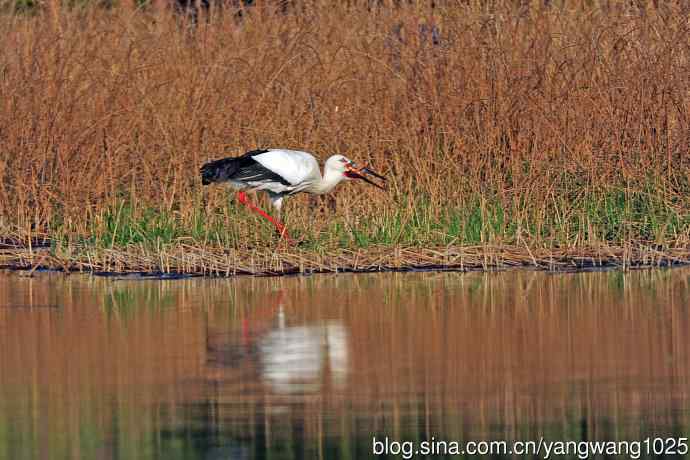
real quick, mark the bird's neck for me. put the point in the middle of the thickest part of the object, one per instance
(329, 180)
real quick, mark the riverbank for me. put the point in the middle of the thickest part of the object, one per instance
(190, 260)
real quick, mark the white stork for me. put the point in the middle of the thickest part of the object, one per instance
(281, 172)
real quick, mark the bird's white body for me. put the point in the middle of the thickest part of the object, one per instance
(299, 169)
(281, 172)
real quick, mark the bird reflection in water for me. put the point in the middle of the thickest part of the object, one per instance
(299, 359)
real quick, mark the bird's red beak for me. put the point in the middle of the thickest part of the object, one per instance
(360, 173)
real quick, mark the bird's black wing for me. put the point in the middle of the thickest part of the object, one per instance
(242, 169)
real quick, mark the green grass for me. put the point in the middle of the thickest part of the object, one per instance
(615, 217)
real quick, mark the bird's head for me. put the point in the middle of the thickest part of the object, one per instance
(350, 171)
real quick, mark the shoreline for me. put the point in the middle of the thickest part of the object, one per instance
(184, 261)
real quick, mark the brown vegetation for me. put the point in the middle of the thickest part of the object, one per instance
(558, 124)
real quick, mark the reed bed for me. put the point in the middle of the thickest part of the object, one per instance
(512, 133)
(190, 259)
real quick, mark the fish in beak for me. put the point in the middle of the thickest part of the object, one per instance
(361, 173)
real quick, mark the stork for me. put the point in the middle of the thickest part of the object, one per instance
(281, 172)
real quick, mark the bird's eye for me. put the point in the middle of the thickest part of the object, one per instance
(343, 160)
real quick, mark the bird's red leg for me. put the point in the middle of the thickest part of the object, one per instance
(282, 231)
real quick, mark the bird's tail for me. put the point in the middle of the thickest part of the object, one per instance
(217, 171)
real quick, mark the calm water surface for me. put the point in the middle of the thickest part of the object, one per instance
(314, 367)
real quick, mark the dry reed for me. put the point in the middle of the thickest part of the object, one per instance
(520, 125)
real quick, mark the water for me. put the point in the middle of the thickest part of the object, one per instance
(315, 367)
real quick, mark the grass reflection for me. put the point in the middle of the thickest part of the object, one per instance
(313, 367)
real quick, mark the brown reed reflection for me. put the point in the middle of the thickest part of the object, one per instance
(100, 368)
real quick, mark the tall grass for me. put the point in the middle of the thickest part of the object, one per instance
(538, 123)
